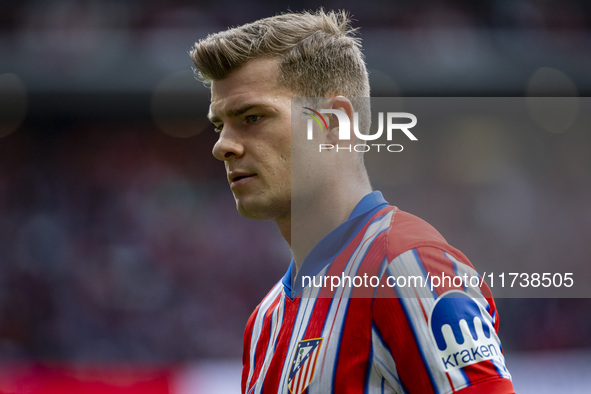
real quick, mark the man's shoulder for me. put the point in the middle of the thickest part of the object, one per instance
(407, 231)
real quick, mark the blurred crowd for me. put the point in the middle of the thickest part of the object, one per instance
(444, 48)
(115, 245)
(137, 14)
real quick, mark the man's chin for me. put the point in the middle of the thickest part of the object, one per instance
(256, 210)
(252, 211)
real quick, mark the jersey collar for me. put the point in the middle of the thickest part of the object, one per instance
(333, 243)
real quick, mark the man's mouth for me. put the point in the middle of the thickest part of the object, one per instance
(238, 178)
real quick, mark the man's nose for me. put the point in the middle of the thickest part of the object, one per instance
(227, 145)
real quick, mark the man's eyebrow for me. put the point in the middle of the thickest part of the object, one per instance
(232, 113)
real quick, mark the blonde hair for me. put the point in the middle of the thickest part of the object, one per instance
(319, 54)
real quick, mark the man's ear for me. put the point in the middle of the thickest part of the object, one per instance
(344, 105)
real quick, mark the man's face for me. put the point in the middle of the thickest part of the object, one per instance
(252, 115)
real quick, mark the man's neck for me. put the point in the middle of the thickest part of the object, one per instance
(310, 222)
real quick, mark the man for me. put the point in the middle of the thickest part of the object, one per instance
(315, 338)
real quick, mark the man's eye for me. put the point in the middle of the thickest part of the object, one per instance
(218, 128)
(253, 118)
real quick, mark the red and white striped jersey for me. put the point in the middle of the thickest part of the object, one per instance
(384, 336)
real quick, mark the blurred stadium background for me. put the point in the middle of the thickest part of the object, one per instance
(124, 267)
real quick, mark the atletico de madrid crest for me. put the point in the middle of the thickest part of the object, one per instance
(303, 365)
